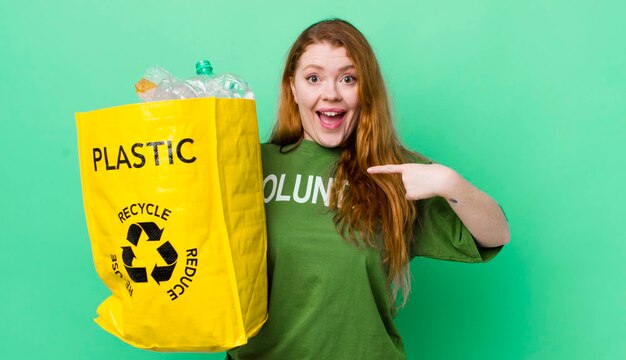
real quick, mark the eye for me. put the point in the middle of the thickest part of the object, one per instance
(313, 79)
(349, 79)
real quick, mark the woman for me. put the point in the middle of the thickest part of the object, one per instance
(348, 207)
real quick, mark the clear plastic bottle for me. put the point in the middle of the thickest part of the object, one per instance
(223, 85)
(158, 84)
(236, 86)
(207, 81)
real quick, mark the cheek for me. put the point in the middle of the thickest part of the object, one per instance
(306, 100)
(352, 98)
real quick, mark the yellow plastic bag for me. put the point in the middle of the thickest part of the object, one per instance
(173, 198)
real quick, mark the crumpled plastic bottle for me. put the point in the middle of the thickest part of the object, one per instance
(158, 84)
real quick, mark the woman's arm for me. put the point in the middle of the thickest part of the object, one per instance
(478, 211)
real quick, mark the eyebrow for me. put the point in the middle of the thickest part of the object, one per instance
(344, 68)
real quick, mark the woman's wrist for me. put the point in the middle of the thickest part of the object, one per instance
(451, 183)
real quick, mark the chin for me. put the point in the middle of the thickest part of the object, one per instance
(330, 143)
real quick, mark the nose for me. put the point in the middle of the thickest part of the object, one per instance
(331, 92)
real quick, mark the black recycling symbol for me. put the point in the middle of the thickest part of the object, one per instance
(166, 250)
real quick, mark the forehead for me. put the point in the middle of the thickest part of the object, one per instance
(324, 55)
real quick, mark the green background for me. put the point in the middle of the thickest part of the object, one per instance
(527, 99)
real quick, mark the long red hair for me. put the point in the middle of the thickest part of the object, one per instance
(371, 205)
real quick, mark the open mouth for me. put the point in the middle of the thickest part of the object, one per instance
(331, 119)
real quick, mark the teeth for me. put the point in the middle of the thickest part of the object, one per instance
(330, 113)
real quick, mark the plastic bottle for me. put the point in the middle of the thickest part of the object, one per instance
(158, 84)
(223, 85)
(207, 81)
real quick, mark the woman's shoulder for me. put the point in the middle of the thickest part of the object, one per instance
(269, 147)
(269, 151)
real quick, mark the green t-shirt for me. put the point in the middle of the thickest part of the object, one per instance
(328, 298)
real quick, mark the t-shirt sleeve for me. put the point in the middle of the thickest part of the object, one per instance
(440, 234)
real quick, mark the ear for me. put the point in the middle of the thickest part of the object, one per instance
(293, 89)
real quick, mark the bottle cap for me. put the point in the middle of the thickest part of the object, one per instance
(204, 67)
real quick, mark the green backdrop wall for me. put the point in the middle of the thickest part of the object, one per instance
(527, 99)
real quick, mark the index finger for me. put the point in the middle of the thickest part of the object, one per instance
(385, 169)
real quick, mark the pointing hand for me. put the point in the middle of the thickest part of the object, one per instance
(421, 181)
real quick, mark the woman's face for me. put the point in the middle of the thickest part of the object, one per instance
(324, 86)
